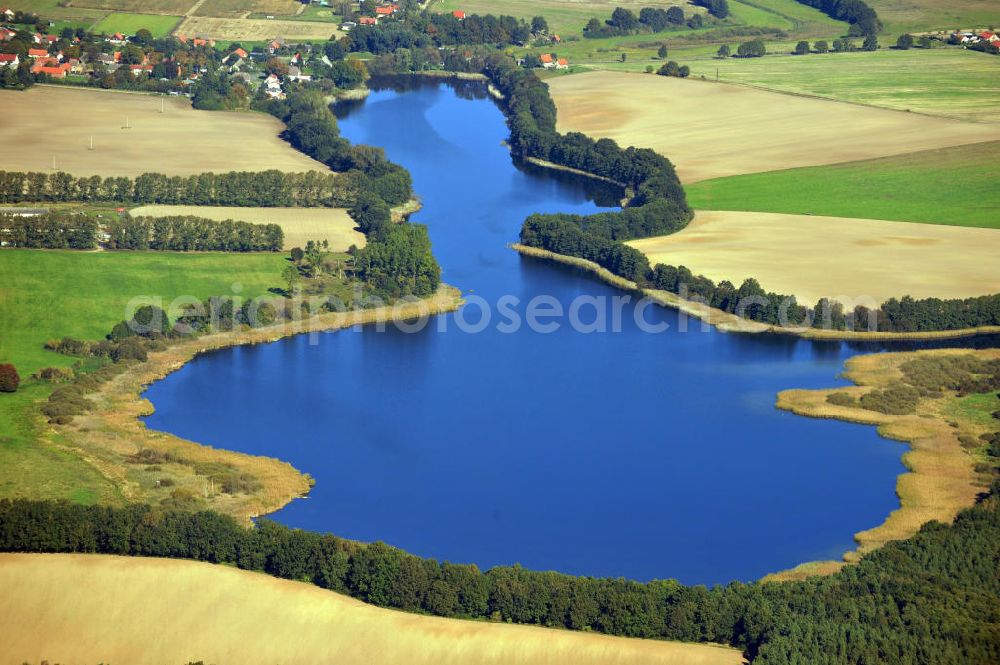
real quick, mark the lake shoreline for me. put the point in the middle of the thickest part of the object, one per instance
(726, 322)
(113, 432)
(940, 480)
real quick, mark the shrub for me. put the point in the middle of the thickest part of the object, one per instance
(9, 379)
(895, 401)
(54, 374)
(841, 399)
(129, 349)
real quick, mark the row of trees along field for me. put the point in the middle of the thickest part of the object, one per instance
(650, 20)
(933, 598)
(68, 230)
(236, 188)
(420, 30)
(862, 18)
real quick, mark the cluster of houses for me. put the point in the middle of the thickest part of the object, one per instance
(548, 62)
(973, 37)
(383, 10)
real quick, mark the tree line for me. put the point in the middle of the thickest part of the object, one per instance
(48, 231)
(650, 19)
(397, 259)
(430, 29)
(187, 233)
(934, 597)
(237, 188)
(751, 301)
(863, 19)
(312, 129)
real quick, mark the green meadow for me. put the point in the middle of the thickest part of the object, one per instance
(49, 294)
(955, 186)
(942, 81)
(129, 24)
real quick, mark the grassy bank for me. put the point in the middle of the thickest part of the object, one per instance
(955, 186)
(943, 433)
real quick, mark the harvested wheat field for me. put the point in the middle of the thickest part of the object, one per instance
(710, 129)
(49, 122)
(252, 29)
(299, 224)
(813, 257)
(90, 608)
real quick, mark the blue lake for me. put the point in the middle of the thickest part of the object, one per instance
(636, 454)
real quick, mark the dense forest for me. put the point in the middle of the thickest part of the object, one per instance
(237, 188)
(933, 598)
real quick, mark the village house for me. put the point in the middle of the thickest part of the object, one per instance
(37, 53)
(347, 25)
(367, 20)
(275, 46)
(562, 63)
(6, 34)
(51, 67)
(295, 74)
(272, 87)
(459, 14)
(117, 38)
(9, 60)
(240, 53)
(7, 13)
(244, 78)
(547, 61)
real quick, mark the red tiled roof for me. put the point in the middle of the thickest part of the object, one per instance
(563, 61)
(8, 57)
(383, 11)
(37, 52)
(240, 52)
(458, 13)
(545, 57)
(57, 72)
(367, 20)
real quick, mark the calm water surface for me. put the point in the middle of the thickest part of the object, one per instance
(632, 454)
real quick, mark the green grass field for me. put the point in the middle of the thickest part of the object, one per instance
(900, 16)
(129, 24)
(955, 186)
(47, 294)
(942, 81)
